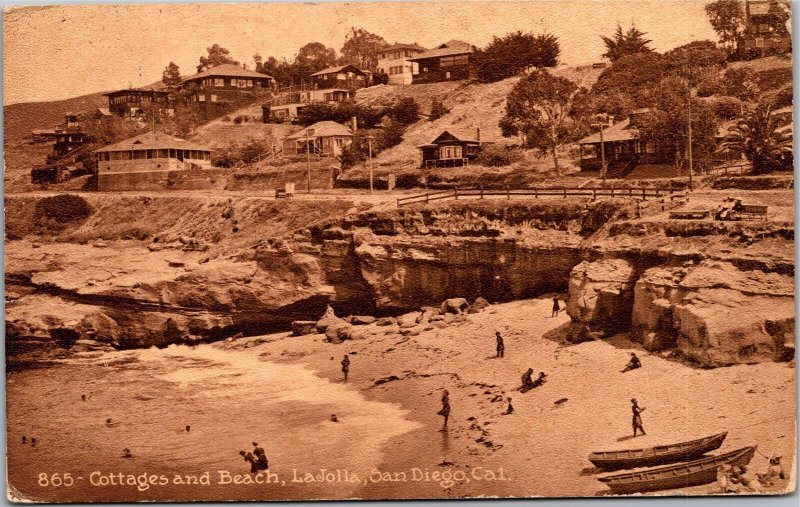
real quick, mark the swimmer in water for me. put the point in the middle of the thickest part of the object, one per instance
(24, 439)
(188, 428)
(334, 418)
(33, 441)
(126, 453)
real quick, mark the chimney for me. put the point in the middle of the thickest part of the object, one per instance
(478, 135)
(354, 123)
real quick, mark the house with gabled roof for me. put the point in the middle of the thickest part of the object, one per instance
(346, 77)
(225, 84)
(450, 61)
(451, 148)
(324, 139)
(133, 101)
(394, 62)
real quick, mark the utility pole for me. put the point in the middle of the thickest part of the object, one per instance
(369, 143)
(602, 123)
(308, 163)
(689, 109)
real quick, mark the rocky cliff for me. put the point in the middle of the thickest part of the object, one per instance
(153, 271)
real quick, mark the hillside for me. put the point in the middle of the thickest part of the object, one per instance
(472, 106)
(223, 132)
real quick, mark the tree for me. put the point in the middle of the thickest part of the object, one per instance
(217, 55)
(727, 19)
(630, 75)
(507, 56)
(538, 107)
(666, 124)
(759, 136)
(625, 43)
(312, 58)
(360, 47)
(438, 109)
(171, 75)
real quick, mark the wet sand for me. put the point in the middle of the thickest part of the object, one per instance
(388, 433)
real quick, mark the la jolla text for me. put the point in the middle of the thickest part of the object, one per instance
(445, 477)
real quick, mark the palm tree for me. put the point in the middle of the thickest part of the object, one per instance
(761, 138)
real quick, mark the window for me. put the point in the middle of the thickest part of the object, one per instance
(450, 152)
(201, 98)
(218, 81)
(759, 42)
(213, 98)
(447, 75)
(454, 61)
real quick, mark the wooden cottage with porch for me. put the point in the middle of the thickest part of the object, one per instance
(152, 152)
(322, 139)
(450, 150)
(621, 143)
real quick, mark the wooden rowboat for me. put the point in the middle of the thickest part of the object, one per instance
(658, 455)
(681, 475)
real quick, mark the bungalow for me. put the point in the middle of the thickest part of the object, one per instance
(224, 84)
(132, 102)
(346, 76)
(152, 152)
(450, 149)
(450, 61)
(620, 143)
(394, 62)
(324, 139)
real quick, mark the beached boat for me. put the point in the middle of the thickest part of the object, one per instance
(658, 455)
(681, 475)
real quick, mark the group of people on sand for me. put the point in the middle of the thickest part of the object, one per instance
(257, 458)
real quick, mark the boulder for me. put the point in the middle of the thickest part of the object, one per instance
(303, 327)
(714, 313)
(601, 297)
(454, 305)
(362, 320)
(479, 305)
(408, 320)
(385, 321)
(328, 318)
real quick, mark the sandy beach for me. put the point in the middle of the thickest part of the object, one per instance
(282, 390)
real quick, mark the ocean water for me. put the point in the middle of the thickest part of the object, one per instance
(229, 398)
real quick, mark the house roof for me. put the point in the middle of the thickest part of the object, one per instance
(621, 131)
(226, 70)
(322, 129)
(400, 45)
(453, 47)
(333, 70)
(103, 111)
(153, 141)
(453, 135)
(148, 89)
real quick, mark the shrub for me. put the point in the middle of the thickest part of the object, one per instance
(405, 111)
(438, 109)
(493, 155)
(54, 214)
(391, 135)
(238, 119)
(507, 56)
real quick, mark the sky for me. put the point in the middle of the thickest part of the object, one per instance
(52, 53)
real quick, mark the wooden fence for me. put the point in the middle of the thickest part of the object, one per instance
(480, 193)
(732, 169)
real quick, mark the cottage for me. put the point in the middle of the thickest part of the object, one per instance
(346, 77)
(620, 143)
(132, 102)
(324, 139)
(286, 105)
(224, 84)
(152, 152)
(451, 149)
(765, 31)
(448, 62)
(394, 62)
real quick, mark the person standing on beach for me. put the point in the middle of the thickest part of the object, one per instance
(556, 306)
(510, 409)
(445, 411)
(345, 366)
(248, 457)
(637, 417)
(527, 380)
(501, 347)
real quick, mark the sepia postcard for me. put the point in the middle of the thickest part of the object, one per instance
(399, 250)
